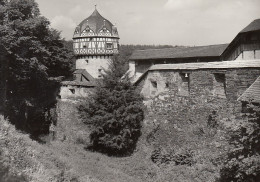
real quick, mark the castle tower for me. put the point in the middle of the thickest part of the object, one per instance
(95, 41)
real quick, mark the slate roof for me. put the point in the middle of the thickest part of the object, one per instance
(180, 52)
(252, 94)
(253, 26)
(84, 73)
(90, 83)
(95, 22)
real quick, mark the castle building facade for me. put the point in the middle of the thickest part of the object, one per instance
(245, 46)
(220, 71)
(95, 42)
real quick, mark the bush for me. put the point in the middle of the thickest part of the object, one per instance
(243, 162)
(114, 113)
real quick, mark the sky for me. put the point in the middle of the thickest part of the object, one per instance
(158, 22)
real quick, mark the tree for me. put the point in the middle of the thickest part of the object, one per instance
(37, 53)
(243, 162)
(114, 113)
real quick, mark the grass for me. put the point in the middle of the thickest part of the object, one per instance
(67, 160)
(64, 161)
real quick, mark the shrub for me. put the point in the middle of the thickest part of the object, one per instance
(243, 162)
(114, 112)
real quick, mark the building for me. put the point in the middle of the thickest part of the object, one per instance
(141, 60)
(95, 41)
(224, 80)
(219, 71)
(245, 46)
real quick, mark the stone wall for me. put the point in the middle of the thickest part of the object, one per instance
(220, 83)
(168, 103)
(94, 66)
(70, 127)
(74, 92)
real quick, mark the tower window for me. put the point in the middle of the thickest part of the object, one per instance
(109, 45)
(86, 61)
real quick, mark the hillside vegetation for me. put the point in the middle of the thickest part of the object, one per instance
(195, 150)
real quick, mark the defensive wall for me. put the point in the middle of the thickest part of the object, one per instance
(186, 92)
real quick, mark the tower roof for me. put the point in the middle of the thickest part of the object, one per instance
(95, 22)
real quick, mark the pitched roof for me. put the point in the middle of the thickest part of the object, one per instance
(253, 26)
(90, 83)
(179, 52)
(84, 73)
(252, 94)
(95, 22)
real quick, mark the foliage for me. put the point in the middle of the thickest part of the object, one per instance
(114, 113)
(5, 175)
(36, 53)
(243, 163)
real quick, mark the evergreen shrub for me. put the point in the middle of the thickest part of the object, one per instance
(114, 113)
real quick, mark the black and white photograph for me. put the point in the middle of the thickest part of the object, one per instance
(129, 91)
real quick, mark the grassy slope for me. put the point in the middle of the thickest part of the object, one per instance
(67, 161)
(61, 161)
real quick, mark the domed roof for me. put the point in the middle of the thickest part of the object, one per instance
(95, 22)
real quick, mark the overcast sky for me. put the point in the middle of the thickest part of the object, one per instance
(172, 22)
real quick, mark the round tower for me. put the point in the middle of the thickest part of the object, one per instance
(95, 41)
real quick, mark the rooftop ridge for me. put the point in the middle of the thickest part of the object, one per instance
(182, 47)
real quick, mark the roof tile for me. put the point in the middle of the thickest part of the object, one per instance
(252, 94)
(179, 52)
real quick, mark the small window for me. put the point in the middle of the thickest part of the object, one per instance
(109, 45)
(219, 85)
(184, 86)
(99, 73)
(154, 84)
(167, 85)
(72, 90)
(84, 46)
(86, 61)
